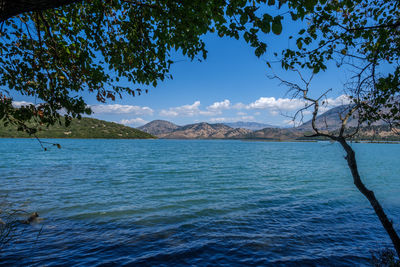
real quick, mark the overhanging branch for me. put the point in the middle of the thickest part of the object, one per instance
(10, 8)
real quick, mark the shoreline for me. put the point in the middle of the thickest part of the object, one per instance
(227, 139)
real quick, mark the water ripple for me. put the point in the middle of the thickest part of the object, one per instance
(179, 203)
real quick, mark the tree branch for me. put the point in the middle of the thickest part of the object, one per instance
(11, 8)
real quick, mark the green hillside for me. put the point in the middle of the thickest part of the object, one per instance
(84, 128)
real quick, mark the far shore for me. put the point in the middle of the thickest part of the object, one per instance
(228, 139)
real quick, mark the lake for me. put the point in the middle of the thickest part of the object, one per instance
(196, 202)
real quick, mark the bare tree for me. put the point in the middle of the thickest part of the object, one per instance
(341, 135)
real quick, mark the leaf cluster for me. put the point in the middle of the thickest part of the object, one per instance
(110, 48)
(363, 38)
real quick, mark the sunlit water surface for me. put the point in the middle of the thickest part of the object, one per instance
(175, 202)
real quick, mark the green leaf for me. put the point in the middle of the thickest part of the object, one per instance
(299, 43)
(309, 4)
(266, 27)
(277, 26)
(243, 18)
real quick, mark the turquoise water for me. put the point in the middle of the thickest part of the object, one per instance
(175, 202)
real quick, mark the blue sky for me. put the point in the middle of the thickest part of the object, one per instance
(232, 84)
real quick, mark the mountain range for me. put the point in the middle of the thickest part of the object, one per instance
(93, 128)
(254, 126)
(330, 120)
(203, 130)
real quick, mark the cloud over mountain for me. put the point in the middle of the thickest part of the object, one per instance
(133, 122)
(121, 109)
(219, 106)
(277, 105)
(194, 109)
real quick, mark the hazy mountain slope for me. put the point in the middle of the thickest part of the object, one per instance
(205, 131)
(158, 127)
(254, 126)
(276, 134)
(330, 120)
(84, 128)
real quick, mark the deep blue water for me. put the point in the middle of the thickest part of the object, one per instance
(173, 202)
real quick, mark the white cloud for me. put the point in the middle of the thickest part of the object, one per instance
(121, 109)
(276, 106)
(338, 101)
(272, 103)
(18, 104)
(329, 103)
(247, 118)
(274, 112)
(241, 113)
(239, 106)
(231, 119)
(185, 110)
(218, 106)
(194, 110)
(221, 119)
(133, 122)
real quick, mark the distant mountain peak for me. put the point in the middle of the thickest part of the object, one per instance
(204, 130)
(254, 126)
(330, 120)
(158, 127)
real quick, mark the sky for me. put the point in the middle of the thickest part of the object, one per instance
(231, 85)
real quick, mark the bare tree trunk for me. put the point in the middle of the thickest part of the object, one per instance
(387, 224)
